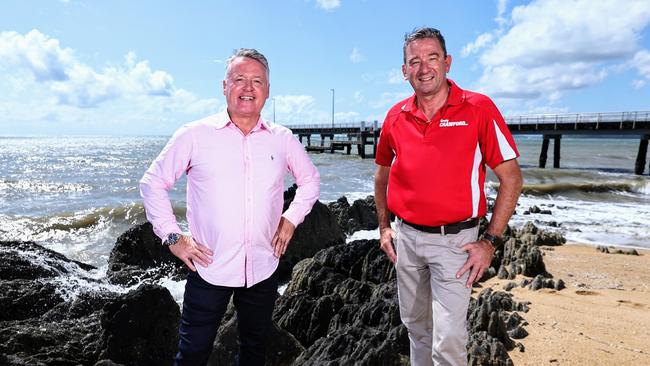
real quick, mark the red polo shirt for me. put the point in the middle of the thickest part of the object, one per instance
(438, 169)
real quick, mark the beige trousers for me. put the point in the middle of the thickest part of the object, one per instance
(432, 301)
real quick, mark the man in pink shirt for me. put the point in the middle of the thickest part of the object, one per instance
(235, 164)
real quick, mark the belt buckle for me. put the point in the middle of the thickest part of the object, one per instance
(442, 230)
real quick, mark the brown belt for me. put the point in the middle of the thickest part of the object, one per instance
(454, 228)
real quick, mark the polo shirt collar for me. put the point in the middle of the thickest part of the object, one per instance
(222, 119)
(455, 98)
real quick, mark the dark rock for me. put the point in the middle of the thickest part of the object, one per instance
(341, 305)
(538, 283)
(318, 231)
(54, 313)
(361, 215)
(631, 252)
(23, 299)
(141, 327)
(138, 255)
(518, 333)
(282, 347)
(107, 363)
(16, 261)
(509, 286)
(489, 322)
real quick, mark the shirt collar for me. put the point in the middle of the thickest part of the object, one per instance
(222, 119)
(456, 96)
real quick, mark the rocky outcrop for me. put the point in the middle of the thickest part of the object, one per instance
(318, 231)
(55, 313)
(138, 255)
(519, 253)
(140, 327)
(613, 250)
(361, 215)
(493, 322)
(341, 308)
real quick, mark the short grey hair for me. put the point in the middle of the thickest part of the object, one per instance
(250, 53)
(422, 33)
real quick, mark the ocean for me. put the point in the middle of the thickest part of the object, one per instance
(76, 195)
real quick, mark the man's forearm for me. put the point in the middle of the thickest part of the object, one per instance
(510, 184)
(381, 185)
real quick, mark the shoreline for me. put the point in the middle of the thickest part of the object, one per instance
(602, 317)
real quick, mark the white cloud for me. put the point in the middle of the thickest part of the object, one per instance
(37, 70)
(641, 62)
(501, 10)
(552, 46)
(297, 109)
(395, 76)
(481, 41)
(356, 56)
(328, 5)
(358, 97)
(388, 99)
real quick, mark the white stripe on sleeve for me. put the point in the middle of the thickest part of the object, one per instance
(476, 190)
(507, 151)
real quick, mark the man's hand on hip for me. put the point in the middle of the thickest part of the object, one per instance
(190, 252)
(480, 257)
(282, 237)
(386, 243)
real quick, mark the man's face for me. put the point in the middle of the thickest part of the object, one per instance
(246, 88)
(426, 66)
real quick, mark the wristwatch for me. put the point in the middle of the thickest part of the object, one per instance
(172, 238)
(491, 238)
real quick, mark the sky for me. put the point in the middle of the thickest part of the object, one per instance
(80, 67)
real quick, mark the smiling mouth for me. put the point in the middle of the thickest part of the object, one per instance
(246, 98)
(426, 79)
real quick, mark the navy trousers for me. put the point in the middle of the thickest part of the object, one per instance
(205, 304)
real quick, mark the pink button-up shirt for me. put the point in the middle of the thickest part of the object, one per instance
(235, 186)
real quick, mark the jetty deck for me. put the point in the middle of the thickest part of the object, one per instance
(346, 136)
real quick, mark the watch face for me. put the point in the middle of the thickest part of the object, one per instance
(172, 239)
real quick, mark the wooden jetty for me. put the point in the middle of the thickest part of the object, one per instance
(549, 126)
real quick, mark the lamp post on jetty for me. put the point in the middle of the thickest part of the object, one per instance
(332, 108)
(273, 109)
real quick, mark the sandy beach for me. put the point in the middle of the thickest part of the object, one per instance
(602, 317)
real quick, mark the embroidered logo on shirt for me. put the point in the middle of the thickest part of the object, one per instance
(448, 123)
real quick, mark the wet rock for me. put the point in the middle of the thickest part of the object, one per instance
(509, 286)
(53, 314)
(17, 261)
(138, 255)
(361, 215)
(30, 276)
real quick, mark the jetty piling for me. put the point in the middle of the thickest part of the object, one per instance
(639, 166)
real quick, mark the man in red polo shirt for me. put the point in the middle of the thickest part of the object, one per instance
(431, 159)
